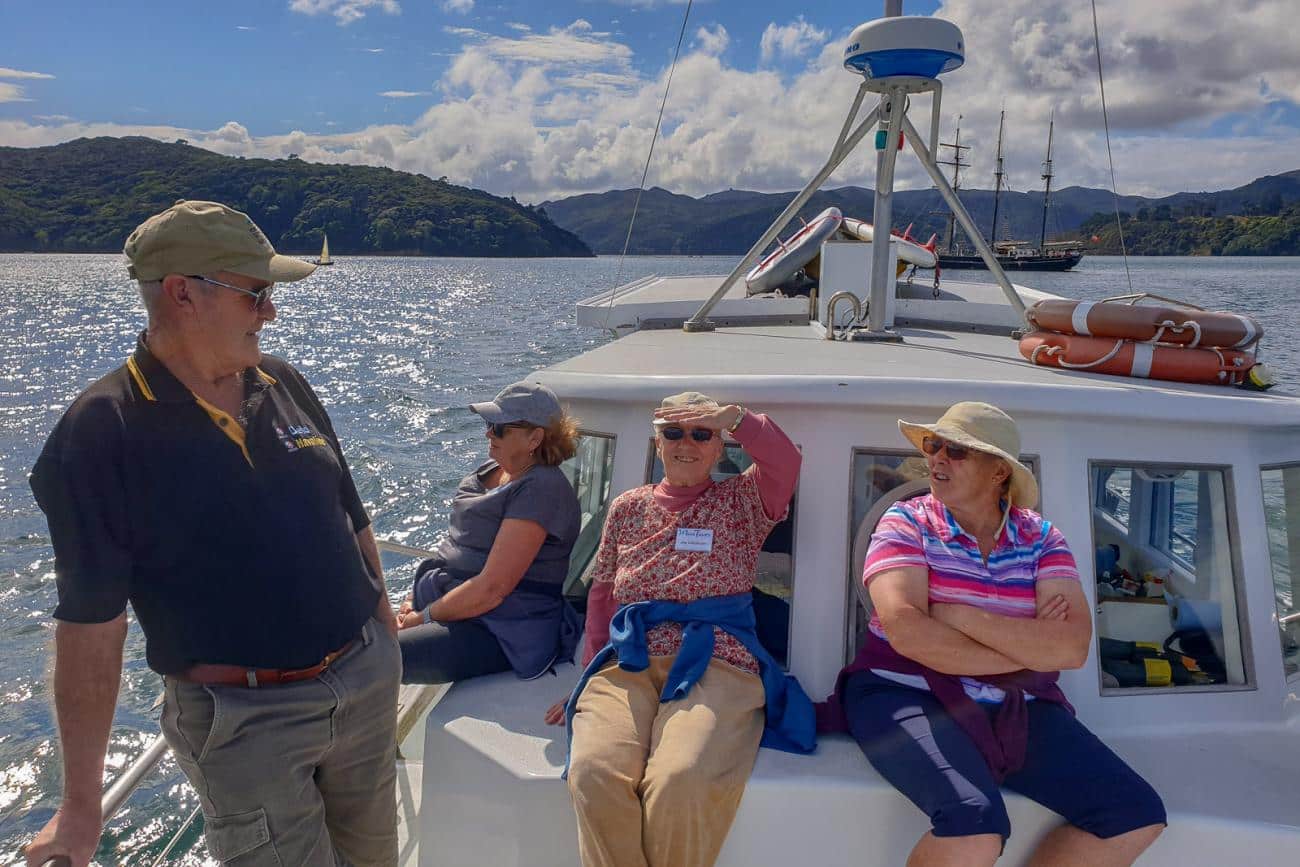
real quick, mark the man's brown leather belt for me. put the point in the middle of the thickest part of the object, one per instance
(234, 675)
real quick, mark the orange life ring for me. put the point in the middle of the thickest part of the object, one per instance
(1211, 366)
(1177, 325)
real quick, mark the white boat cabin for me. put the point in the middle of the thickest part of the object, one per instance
(1181, 504)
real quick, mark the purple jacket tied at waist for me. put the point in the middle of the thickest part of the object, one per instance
(1000, 740)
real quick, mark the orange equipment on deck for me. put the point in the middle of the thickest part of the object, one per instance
(1212, 366)
(1116, 318)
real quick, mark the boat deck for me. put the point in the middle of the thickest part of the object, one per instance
(796, 364)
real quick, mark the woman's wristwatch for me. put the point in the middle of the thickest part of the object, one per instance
(731, 429)
(426, 614)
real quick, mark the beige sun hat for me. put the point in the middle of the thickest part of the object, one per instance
(985, 428)
(682, 400)
(193, 237)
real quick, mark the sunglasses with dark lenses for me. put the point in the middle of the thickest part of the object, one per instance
(498, 429)
(672, 433)
(934, 445)
(259, 296)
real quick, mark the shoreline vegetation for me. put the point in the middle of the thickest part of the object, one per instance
(1258, 219)
(86, 196)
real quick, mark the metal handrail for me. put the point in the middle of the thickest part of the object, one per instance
(854, 304)
(124, 786)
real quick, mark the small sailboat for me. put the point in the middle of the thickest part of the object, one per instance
(324, 258)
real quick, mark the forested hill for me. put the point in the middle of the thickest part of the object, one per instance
(727, 223)
(87, 195)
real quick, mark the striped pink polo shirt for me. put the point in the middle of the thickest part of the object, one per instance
(922, 532)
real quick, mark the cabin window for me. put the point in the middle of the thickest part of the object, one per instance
(589, 471)
(1165, 566)
(880, 479)
(1282, 517)
(1111, 487)
(774, 582)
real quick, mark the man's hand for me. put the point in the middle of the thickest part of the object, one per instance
(72, 832)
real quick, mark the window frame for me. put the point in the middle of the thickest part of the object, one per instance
(1281, 467)
(573, 578)
(1233, 530)
(1161, 531)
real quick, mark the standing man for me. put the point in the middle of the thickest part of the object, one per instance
(202, 482)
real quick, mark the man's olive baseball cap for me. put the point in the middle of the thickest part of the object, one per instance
(193, 238)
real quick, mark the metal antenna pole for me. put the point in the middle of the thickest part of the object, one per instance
(892, 105)
(963, 217)
(699, 321)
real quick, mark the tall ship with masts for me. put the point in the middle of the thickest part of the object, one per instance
(1011, 254)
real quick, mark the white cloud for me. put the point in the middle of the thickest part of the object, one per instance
(793, 40)
(522, 28)
(5, 72)
(11, 93)
(346, 11)
(712, 40)
(1200, 99)
(244, 27)
(52, 118)
(464, 7)
(373, 50)
(403, 94)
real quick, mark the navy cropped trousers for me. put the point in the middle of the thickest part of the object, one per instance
(914, 744)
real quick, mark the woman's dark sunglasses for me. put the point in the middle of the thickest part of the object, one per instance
(934, 445)
(498, 429)
(673, 433)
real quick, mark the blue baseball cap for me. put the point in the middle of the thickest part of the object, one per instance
(521, 401)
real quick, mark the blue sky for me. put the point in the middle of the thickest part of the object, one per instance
(549, 99)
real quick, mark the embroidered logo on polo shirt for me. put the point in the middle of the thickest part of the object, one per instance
(299, 437)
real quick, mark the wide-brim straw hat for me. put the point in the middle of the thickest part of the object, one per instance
(984, 428)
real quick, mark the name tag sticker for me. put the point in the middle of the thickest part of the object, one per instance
(694, 540)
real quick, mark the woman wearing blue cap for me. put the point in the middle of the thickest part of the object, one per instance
(491, 599)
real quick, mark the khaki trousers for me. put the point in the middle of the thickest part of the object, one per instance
(298, 775)
(657, 785)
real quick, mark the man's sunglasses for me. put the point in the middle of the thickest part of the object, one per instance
(672, 433)
(259, 296)
(934, 445)
(497, 429)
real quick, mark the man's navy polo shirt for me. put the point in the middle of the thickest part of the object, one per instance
(232, 545)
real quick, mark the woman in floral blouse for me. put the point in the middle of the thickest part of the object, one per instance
(668, 718)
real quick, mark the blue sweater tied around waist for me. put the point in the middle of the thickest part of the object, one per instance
(790, 724)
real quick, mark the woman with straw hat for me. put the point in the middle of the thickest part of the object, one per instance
(978, 605)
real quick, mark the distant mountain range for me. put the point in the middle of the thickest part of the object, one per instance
(87, 195)
(727, 223)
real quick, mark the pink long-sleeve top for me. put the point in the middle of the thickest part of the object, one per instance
(638, 558)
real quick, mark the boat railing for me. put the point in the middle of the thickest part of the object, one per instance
(855, 305)
(410, 705)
